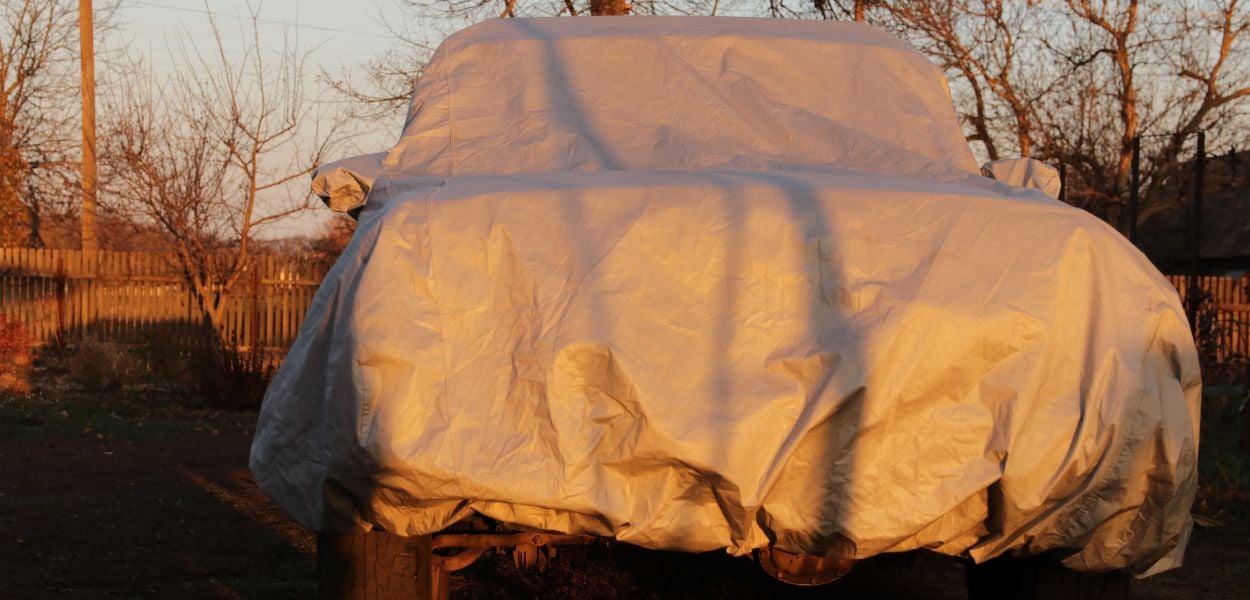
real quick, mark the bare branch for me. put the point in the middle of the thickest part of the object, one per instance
(201, 158)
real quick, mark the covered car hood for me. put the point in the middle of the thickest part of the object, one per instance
(751, 347)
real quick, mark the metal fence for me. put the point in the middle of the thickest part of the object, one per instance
(130, 297)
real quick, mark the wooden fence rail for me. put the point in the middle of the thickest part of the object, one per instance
(129, 297)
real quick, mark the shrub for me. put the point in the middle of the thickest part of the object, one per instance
(15, 358)
(231, 379)
(196, 365)
(171, 352)
(97, 366)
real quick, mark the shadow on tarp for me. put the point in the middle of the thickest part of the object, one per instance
(825, 433)
(831, 332)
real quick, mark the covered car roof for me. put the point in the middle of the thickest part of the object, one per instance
(677, 94)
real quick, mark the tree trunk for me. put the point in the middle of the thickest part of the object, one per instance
(212, 307)
(608, 8)
(34, 236)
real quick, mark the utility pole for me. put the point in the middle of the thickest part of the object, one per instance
(86, 46)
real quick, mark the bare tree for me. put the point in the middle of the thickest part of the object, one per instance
(1212, 69)
(985, 45)
(1109, 40)
(207, 155)
(1075, 81)
(325, 246)
(384, 87)
(526, 8)
(1160, 69)
(39, 151)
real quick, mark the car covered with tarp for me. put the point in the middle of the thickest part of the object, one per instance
(714, 283)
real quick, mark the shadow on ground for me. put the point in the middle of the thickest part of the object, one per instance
(101, 500)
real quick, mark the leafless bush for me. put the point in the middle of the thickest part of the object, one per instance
(98, 366)
(233, 379)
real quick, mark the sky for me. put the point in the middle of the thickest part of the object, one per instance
(336, 35)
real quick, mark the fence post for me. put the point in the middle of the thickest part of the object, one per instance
(254, 334)
(60, 304)
(1133, 191)
(1063, 182)
(1195, 249)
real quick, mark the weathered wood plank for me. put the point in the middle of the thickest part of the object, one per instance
(128, 293)
(123, 295)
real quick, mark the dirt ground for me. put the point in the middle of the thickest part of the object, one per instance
(121, 500)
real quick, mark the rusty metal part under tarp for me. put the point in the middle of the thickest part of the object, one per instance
(420, 567)
(535, 550)
(807, 569)
(377, 565)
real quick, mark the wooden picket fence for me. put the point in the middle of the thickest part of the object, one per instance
(131, 297)
(1226, 314)
(128, 297)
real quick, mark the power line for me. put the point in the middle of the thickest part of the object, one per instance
(169, 48)
(258, 19)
